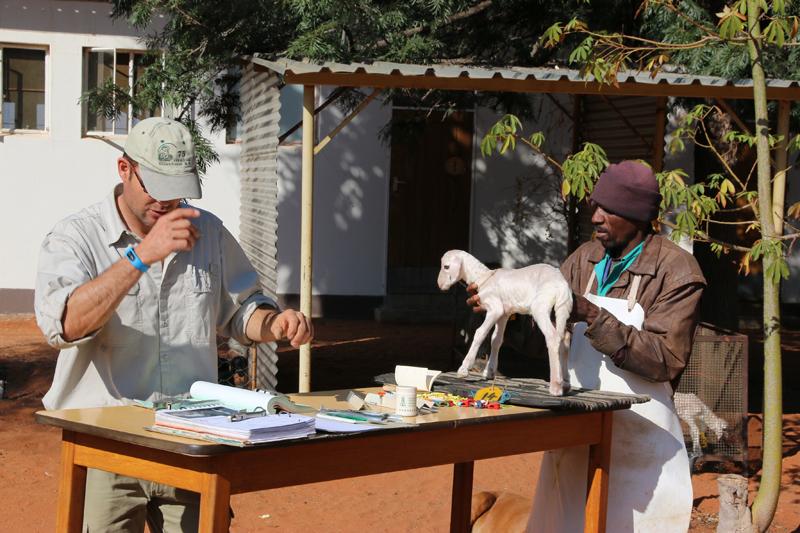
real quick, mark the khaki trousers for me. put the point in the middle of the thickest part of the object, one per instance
(122, 504)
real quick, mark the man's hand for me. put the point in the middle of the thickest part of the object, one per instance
(474, 300)
(267, 325)
(583, 310)
(295, 326)
(172, 232)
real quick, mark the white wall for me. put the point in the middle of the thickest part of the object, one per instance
(47, 176)
(350, 206)
(542, 237)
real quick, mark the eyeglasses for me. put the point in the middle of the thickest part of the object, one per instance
(137, 176)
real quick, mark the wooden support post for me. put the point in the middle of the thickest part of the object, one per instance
(253, 367)
(307, 228)
(215, 496)
(661, 131)
(462, 497)
(781, 161)
(597, 490)
(71, 488)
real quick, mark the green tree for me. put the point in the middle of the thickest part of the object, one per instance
(764, 30)
(193, 54)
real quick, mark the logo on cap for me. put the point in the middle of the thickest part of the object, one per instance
(169, 155)
(163, 153)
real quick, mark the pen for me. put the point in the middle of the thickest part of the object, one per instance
(335, 418)
(351, 417)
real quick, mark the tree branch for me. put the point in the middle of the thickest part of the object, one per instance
(455, 18)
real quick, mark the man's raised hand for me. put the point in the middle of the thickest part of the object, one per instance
(171, 233)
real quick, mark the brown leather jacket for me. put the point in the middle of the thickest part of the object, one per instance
(670, 293)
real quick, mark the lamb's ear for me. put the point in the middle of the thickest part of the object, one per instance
(455, 267)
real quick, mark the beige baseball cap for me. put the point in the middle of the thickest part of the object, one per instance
(165, 152)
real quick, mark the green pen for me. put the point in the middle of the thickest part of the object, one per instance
(351, 417)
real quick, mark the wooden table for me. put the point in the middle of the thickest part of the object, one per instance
(114, 439)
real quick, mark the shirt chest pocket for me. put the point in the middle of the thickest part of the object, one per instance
(124, 327)
(201, 289)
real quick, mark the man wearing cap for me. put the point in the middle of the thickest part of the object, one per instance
(637, 304)
(134, 290)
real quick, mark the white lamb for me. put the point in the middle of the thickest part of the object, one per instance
(535, 290)
(695, 413)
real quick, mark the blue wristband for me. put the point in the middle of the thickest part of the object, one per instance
(135, 261)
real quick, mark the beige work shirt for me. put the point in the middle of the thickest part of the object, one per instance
(162, 337)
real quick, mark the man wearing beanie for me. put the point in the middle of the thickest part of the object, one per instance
(637, 304)
(134, 290)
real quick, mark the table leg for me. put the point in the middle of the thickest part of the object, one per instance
(71, 488)
(215, 497)
(462, 497)
(597, 491)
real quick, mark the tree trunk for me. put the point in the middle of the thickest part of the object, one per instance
(766, 500)
(734, 515)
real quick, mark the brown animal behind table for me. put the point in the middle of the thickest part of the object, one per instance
(499, 512)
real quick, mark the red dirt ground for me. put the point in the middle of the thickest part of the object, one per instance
(345, 355)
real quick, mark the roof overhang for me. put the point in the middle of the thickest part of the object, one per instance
(513, 79)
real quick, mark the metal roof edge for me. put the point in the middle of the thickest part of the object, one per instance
(283, 65)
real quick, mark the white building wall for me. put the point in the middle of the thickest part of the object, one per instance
(542, 237)
(350, 206)
(47, 176)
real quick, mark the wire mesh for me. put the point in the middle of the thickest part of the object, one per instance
(712, 396)
(234, 364)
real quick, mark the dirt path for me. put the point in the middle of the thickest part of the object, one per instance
(346, 354)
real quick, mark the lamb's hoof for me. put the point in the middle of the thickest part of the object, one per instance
(489, 374)
(557, 389)
(462, 373)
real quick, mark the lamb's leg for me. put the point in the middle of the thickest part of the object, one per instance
(563, 358)
(697, 448)
(480, 334)
(497, 339)
(542, 318)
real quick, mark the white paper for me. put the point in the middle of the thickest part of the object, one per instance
(241, 398)
(414, 376)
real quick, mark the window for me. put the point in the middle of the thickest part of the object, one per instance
(23, 81)
(124, 69)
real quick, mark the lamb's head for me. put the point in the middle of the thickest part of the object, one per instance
(718, 427)
(451, 269)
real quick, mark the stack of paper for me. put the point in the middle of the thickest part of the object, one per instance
(214, 421)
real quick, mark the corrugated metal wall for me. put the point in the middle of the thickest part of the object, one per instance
(259, 207)
(631, 138)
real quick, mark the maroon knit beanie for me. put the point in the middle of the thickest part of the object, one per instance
(628, 189)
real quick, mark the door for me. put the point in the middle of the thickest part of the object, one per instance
(429, 200)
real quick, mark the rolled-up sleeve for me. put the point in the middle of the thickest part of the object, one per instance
(241, 291)
(64, 266)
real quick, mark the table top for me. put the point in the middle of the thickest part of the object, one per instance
(130, 423)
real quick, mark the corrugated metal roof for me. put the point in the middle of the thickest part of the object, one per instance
(482, 78)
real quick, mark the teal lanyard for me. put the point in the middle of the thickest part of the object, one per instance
(608, 271)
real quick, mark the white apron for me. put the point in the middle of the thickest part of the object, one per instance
(650, 488)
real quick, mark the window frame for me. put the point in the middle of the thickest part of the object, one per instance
(132, 52)
(47, 91)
